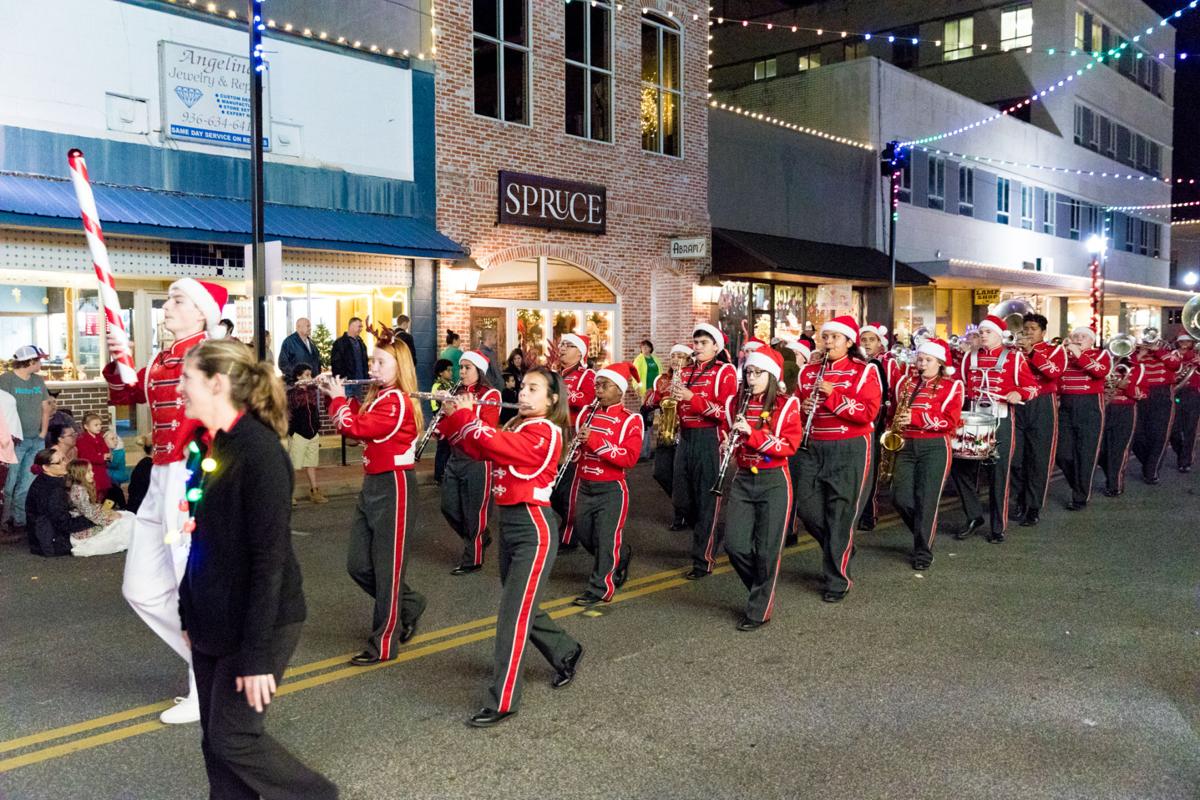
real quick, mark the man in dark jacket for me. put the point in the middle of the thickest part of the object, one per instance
(298, 348)
(348, 359)
(402, 323)
(48, 508)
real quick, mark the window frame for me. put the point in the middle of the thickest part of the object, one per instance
(501, 44)
(959, 52)
(808, 56)
(664, 26)
(769, 65)
(1003, 200)
(852, 51)
(1075, 217)
(1020, 40)
(1048, 225)
(1027, 219)
(937, 175)
(966, 191)
(904, 194)
(588, 69)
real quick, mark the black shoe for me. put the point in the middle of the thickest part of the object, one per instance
(970, 528)
(487, 717)
(1188, 468)
(622, 573)
(696, 574)
(1111, 493)
(1152, 481)
(921, 564)
(996, 538)
(1030, 519)
(587, 599)
(833, 597)
(408, 631)
(791, 539)
(566, 673)
(678, 525)
(1076, 505)
(466, 569)
(865, 524)
(747, 624)
(1020, 512)
(366, 659)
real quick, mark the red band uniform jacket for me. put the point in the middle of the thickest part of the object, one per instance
(850, 410)
(386, 426)
(613, 446)
(772, 440)
(936, 407)
(526, 457)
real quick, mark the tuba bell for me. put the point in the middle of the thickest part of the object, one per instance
(1121, 346)
(1191, 317)
(1013, 312)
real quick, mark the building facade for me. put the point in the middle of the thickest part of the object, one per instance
(572, 149)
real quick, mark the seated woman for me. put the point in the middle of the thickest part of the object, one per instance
(47, 508)
(111, 529)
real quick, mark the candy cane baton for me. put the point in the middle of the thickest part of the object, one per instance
(95, 240)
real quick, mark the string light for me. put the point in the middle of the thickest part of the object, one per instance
(1125, 176)
(790, 125)
(1153, 206)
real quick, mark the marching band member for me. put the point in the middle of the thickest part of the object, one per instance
(388, 423)
(934, 409)
(834, 470)
(1035, 435)
(580, 383)
(705, 387)
(803, 357)
(467, 483)
(610, 444)
(1156, 413)
(998, 376)
(1187, 398)
(760, 498)
(664, 451)
(1082, 411)
(872, 337)
(1120, 419)
(525, 454)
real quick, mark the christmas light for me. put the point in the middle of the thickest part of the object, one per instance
(790, 125)
(1125, 176)
(208, 464)
(194, 494)
(1188, 204)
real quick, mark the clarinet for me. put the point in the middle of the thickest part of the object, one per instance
(816, 396)
(433, 423)
(731, 444)
(576, 443)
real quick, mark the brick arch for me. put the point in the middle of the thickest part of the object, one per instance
(563, 253)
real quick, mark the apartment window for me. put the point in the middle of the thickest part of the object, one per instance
(1003, 186)
(809, 60)
(958, 39)
(1048, 214)
(588, 90)
(764, 69)
(1027, 207)
(1157, 240)
(501, 43)
(905, 192)
(1143, 237)
(966, 191)
(905, 50)
(1080, 30)
(662, 99)
(1130, 234)
(1016, 27)
(1076, 214)
(937, 182)
(853, 50)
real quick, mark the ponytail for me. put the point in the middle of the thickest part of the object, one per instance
(253, 385)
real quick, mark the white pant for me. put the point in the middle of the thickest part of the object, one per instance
(154, 567)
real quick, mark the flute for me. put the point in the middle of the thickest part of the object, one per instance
(324, 377)
(442, 397)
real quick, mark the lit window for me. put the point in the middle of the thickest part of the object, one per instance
(966, 191)
(1048, 214)
(1003, 185)
(808, 61)
(501, 44)
(1027, 207)
(764, 69)
(1016, 27)
(588, 90)
(958, 39)
(662, 92)
(937, 183)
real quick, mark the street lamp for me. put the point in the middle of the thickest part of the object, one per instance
(1189, 279)
(709, 289)
(1097, 245)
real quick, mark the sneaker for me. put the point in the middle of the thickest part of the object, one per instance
(317, 497)
(185, 710)
(295, 502)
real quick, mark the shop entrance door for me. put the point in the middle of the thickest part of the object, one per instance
(485, 320)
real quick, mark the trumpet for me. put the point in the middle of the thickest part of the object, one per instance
(1151, 337)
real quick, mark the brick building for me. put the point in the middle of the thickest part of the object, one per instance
(600, 111)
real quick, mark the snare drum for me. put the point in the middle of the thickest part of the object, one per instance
(975, 439)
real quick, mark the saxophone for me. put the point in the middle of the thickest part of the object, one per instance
(668, 420)
(892, 440)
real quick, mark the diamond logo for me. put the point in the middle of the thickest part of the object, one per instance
(188, 94)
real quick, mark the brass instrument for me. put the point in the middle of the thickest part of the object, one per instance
(816, 398)
(1121, 346)
(1151, 338)
(731, 443)
(1191, 316)
(577, 442)
(668, 419)
(1013, 312)
(1184, 375)
(1112, 383)
(892, 440)
(434, 420)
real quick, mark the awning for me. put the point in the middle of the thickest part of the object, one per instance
(759, 255)
(958, 273)
(41, 202)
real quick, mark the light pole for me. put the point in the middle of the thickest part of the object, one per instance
(258, 256)
(1097, 245)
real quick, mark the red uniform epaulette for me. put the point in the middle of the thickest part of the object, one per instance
(158, 385)
(386, 425)
(771, 441)
(851, 409)
(580, 383)
(614, 445)
(1085, 374)
(525, 458)
(936, 407)
(1047, 362)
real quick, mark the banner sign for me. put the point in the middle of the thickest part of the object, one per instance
(539, 202)
(205, 96)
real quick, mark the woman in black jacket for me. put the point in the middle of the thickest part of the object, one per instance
(48, 509)
(240, 600)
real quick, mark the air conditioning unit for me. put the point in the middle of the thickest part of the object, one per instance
(1039, 265)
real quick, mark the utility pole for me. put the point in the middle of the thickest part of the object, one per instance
(257, 250)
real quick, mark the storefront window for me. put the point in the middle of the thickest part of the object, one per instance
(733, 311)
(531, 334)
(789, 311)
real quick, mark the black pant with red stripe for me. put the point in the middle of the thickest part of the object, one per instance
(1154, 417)
(466, 494)
(918, 478)
(870, 505)
(377, 556)
(560, 502)
(758, 507)
(528, 546)
(1081, 423)
(1187, 419)
(601, 508)
(1119, 422)
(697, 458)
(965, 473)
(830, 487)
(1035, 434)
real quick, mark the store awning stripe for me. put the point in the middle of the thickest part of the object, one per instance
(125, 209)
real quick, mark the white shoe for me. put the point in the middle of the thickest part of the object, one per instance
(185, 710)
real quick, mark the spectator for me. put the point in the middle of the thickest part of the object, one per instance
(118, 473)
(402, 323)
(304, 430)
(452, 353)
(442, 382)
(487, 346)
(111, 529)
(808, 337)
(298, 349)
(65, 440)
(139, 478)
(94, 450)
(9, 421)
(61, 416)
(227, 324)
(648, 366)
(47, 508)
(348, 358)
(509, 394)
(515, 363)
(33, 408)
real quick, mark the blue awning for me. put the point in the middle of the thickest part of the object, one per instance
(36, 201)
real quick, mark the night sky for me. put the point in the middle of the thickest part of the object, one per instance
(1187, 114)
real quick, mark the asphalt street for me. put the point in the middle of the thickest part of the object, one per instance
(1061, 664)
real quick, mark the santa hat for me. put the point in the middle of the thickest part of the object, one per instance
(620, 373)
(1185, 337)
(711, 331)
(877, 328)
(682, 349)
(477, 358)
(803, 352)
(767, 359)
(939, 350)
(1084, 331)
(753, 343)
(992, 322)
(844, 325)
(575, 340)
(208, 297)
